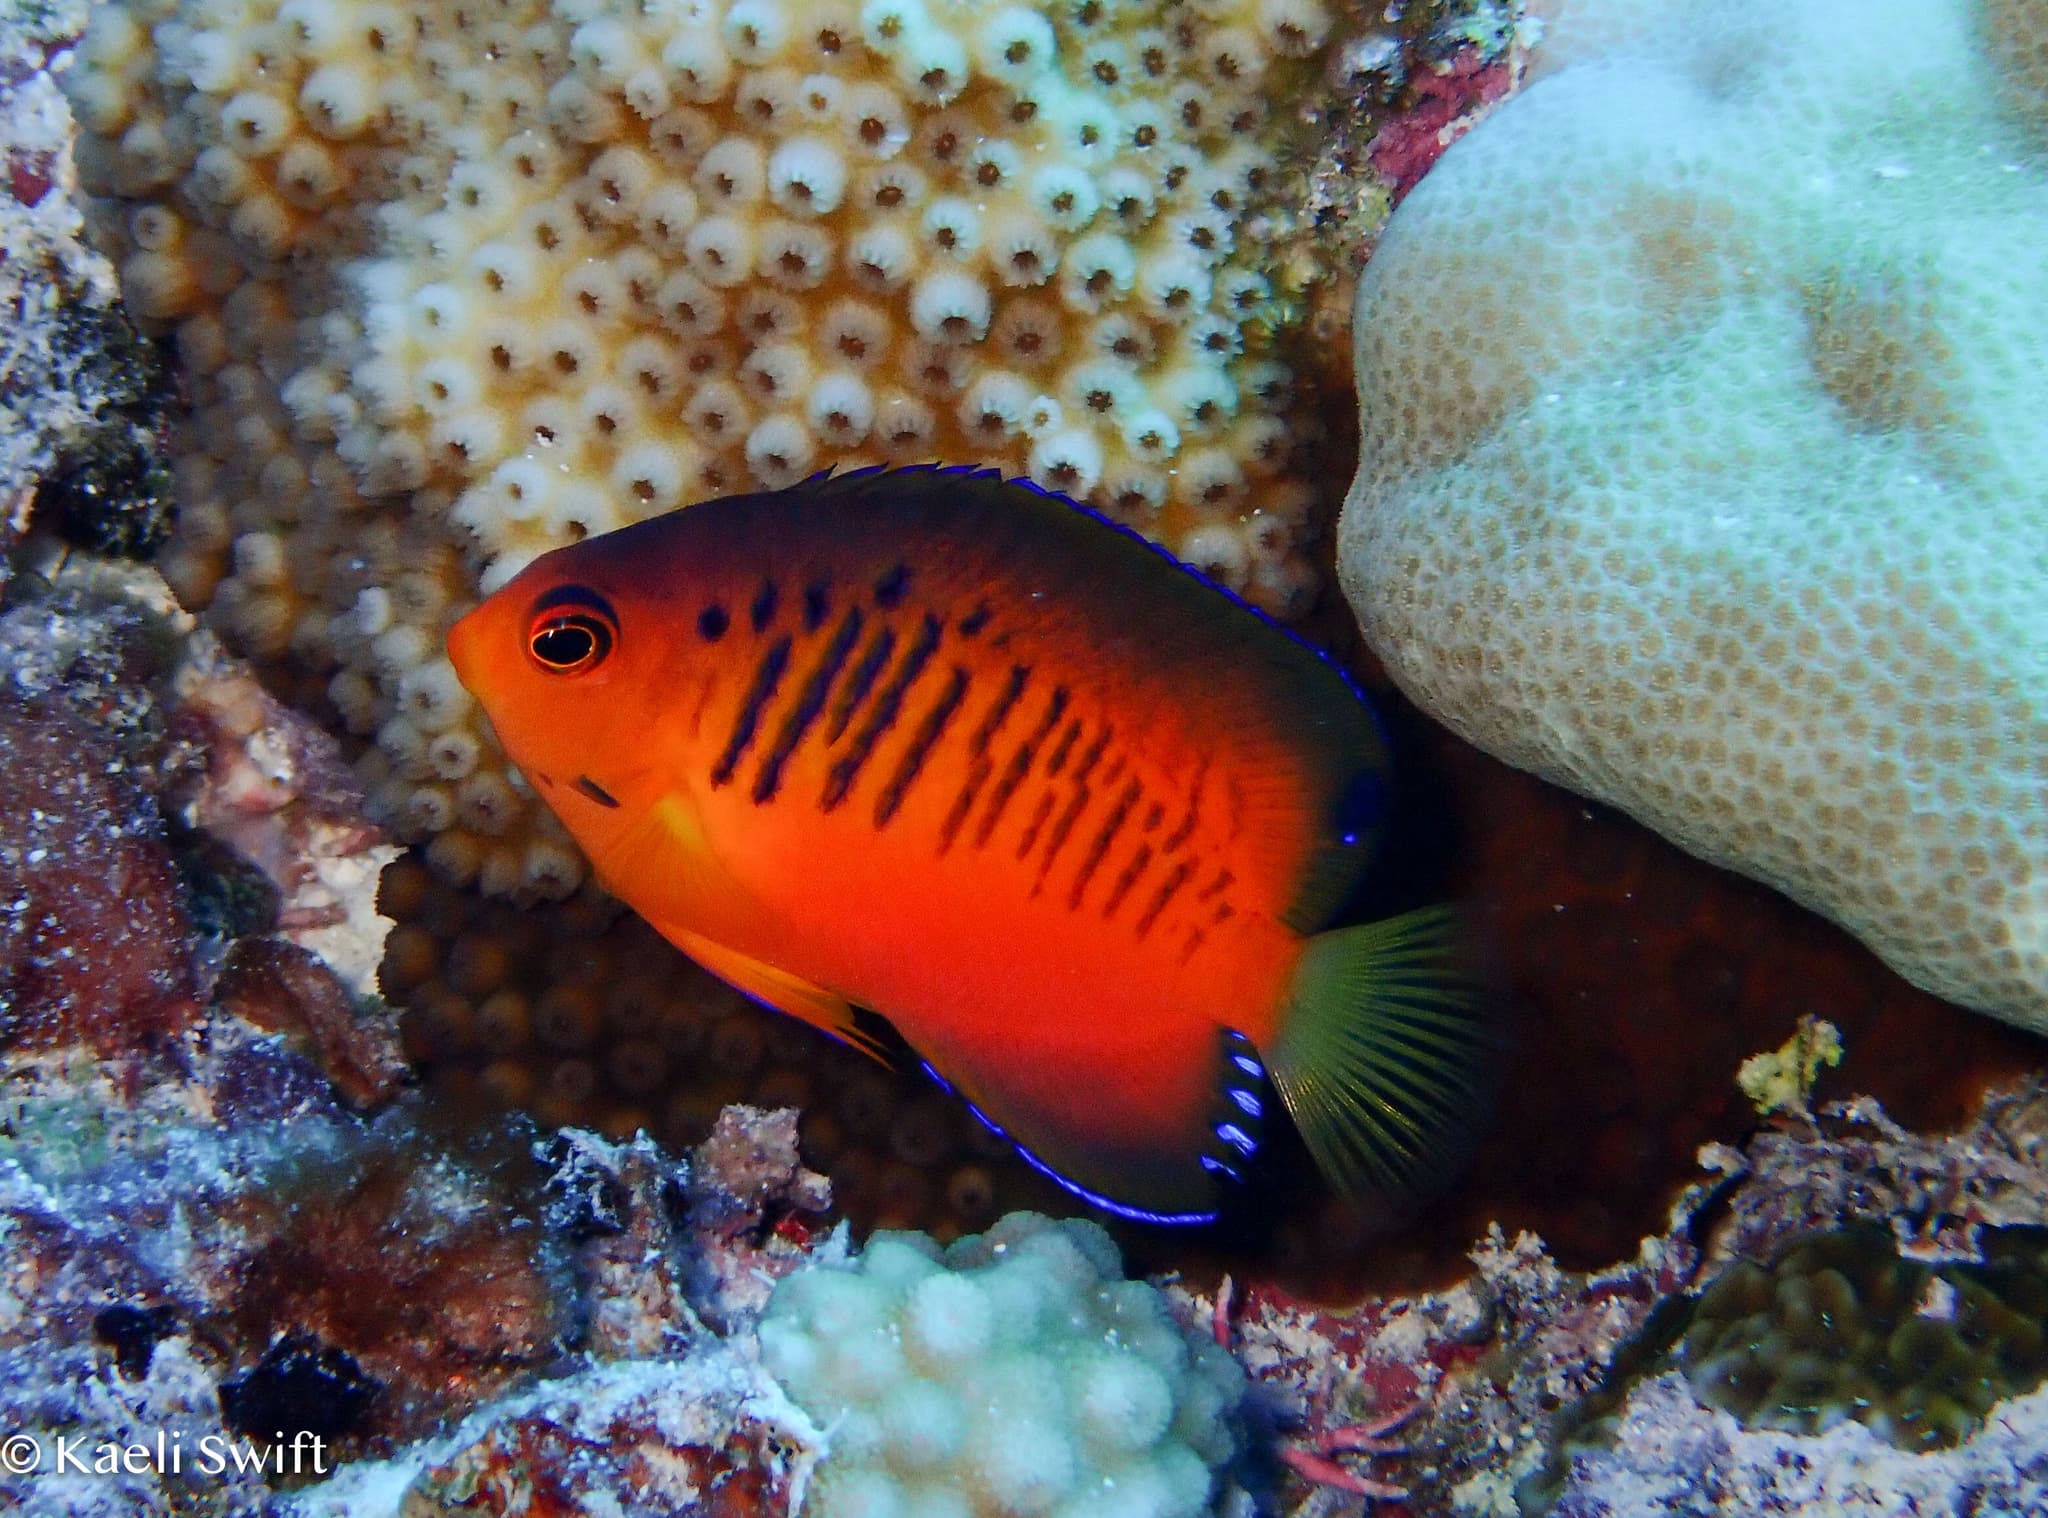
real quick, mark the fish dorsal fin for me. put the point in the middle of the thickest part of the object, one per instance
(1317, 767)
(824, 1010)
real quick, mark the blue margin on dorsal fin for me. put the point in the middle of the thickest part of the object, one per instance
(869, 474)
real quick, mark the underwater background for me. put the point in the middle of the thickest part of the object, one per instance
(1640, 399)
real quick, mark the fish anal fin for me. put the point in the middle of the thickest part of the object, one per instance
(824, 1010)
(1134, 1179)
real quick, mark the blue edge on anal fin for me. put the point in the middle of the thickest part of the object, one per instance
(1068, 1183)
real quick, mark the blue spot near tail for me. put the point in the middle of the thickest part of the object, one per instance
(1361, 808)
(1238, 1139)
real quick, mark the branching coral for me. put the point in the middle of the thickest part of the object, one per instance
(1017, 1374)
(458, 284)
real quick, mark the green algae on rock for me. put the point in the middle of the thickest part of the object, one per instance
(1703, 464)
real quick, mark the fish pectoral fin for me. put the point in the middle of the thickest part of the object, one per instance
(824, 1010)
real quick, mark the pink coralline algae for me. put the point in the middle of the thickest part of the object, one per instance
(1447, 100)
(93, 926)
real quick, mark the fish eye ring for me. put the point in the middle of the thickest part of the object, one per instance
(571, 636)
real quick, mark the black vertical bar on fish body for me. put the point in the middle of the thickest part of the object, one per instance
(980, 766)
(1190, 819)
(882, 716)
(767, 676)
(1031, 829)
(1169, 888)
(1129, 877)
(1019, 767)
(810, 704)
(873, 659)
(1057, 759)
(1063, 825)
(929, 732)
(1119, 813)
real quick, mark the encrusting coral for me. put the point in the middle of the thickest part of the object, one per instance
(458, 284)
(1841, 1326)
(1702, 460)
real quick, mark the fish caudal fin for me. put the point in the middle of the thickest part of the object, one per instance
(1382, 1055)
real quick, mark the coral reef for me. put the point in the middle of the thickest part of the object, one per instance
(1680, 1459)
(455, 288)
(92, 930)
(1016, 1372)
(159, 806)
(707, 1437)
(1542, 1385)
(228, 1251)
(1701, 456)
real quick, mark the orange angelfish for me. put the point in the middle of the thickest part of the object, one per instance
(960, 752)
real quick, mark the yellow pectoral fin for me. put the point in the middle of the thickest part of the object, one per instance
(665, 843)
(822, 1009)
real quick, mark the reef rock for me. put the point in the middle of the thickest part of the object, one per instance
(1703, 469)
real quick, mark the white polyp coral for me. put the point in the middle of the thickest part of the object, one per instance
(949, 306)
(807, 176)
(1011, 1375)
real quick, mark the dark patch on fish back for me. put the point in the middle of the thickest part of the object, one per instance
(818, 605)
(892, 587)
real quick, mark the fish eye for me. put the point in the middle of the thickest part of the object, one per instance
(572, 633)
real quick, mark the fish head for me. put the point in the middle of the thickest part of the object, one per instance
(560, 658)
